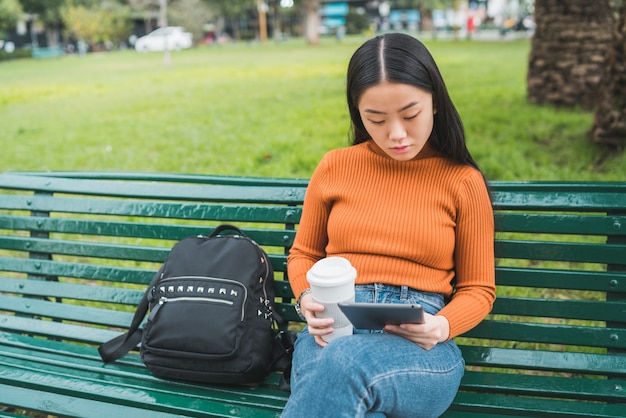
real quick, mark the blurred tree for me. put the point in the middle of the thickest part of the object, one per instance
(48, 12)
(232, 11)
(311, 21)
(356, 22)
(609, 126)
(107, 22)
(568, 49)
(190, 14)
(10, 12)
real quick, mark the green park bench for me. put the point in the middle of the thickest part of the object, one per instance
(47, 52)
(78, 249)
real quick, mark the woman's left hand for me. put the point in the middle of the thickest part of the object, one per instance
(435, 329)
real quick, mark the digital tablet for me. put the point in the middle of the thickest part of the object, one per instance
(377, 315)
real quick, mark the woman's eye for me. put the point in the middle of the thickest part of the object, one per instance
(411, 117)
(377, 122)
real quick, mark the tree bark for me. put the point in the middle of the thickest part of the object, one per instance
(609, 126)
(568, 49)
(312, 21)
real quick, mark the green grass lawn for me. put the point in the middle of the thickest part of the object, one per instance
(270, 110)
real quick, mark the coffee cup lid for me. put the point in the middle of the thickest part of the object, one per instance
(331, 271)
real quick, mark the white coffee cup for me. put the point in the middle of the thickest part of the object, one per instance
(332, 281)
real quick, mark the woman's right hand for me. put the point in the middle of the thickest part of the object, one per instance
(317, 327)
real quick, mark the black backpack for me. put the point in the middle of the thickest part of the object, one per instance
(211, 314)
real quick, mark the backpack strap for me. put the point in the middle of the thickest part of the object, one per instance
(283, 352)
(122, 344)
(225, 227)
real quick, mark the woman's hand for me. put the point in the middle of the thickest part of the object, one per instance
(435, 329)
(317, 326)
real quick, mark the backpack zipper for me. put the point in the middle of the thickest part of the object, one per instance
(163, 300)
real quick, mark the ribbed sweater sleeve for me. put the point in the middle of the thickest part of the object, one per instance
(425, 223)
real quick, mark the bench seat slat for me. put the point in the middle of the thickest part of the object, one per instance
(133, 380)
(543, 360)
(65, 405)
(534, 407)
(92, 398)
(601, 390)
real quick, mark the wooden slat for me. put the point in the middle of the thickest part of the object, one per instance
(533, 407)
(127, 384)
(49, 329)
(556, 308)
(559, 196)
(597, 390)
(77, 270)
(84, 248)
(96, 272)
(561, 279)
(159, 209)
(560, 224)
(153, 190)
(173, 178)
(73, 291)
(560, 251)
(550, 334)
(96, 227)
(65, 311)
(543, 360)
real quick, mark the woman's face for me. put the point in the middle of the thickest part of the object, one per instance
(398, 117)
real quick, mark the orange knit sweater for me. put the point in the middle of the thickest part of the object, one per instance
(425, 223)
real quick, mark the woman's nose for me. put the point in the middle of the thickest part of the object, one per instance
(397, 131)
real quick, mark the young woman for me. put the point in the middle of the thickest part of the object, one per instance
(407, 205)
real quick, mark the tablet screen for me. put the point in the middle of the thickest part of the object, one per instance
(377, 315)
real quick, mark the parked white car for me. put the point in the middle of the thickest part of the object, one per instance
(175, 37)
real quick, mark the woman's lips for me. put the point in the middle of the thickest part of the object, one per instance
(401, 150)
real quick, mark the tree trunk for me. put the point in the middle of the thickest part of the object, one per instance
(312, 21)
(609, 126)
(568, 49)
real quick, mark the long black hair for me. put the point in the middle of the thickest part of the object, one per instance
(401, 58)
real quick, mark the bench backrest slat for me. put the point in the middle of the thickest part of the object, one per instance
(584, 280)
(588, 336)
(591, 310)
(86, 292)
(152, 190)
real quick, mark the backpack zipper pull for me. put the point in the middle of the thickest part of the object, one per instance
(154, 311)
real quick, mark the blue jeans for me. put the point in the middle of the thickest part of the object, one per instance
(375, 374)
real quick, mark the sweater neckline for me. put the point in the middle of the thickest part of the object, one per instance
(426, 152)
